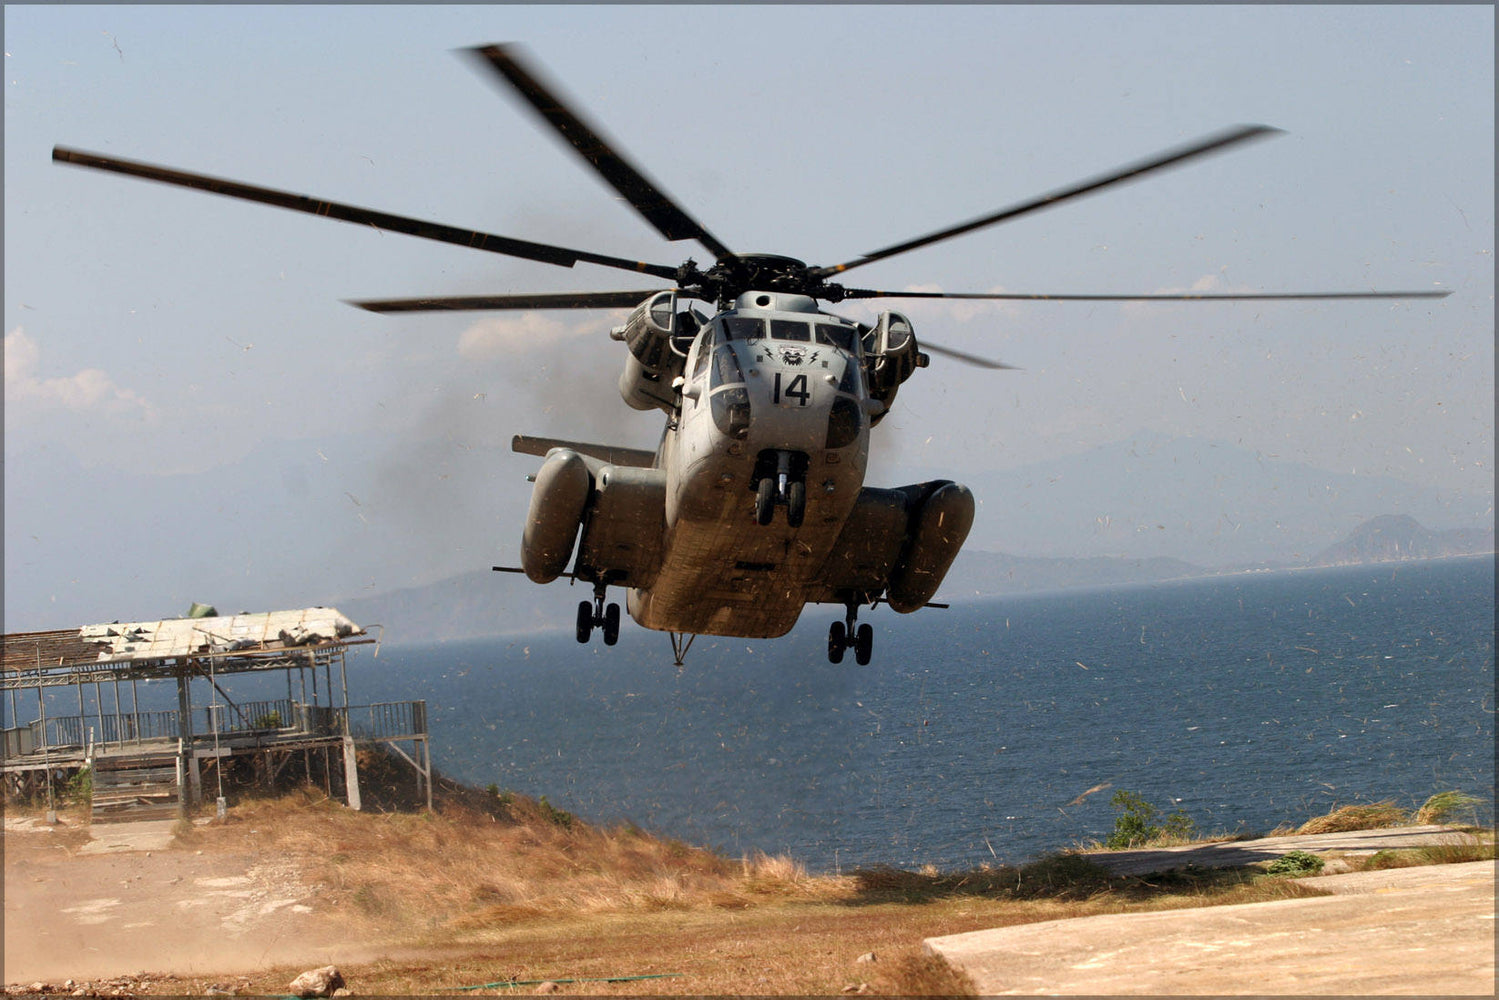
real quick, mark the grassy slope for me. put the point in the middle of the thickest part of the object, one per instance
(489, 888)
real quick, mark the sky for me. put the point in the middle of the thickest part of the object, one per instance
(168, 351)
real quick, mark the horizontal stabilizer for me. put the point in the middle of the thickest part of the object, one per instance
(614, 455)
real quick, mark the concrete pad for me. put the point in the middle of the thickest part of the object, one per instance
(1409, 931)
(1240, 853)
(144, 835)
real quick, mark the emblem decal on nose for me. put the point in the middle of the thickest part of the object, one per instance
(796, 356)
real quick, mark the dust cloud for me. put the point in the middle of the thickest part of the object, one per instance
(74, 916)
(448, 484)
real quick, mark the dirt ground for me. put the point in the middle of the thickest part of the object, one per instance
(75, 913)
(130, 909)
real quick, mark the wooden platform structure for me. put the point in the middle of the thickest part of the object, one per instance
(150, 763)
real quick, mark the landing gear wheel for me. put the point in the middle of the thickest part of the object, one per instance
(585, 620)
(837, 642)
(796, 503)
(864, 644)
(765, 500)
(611, 625)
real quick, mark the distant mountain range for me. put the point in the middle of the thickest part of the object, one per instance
(473, 605)
(1203, 502)
(359, 518)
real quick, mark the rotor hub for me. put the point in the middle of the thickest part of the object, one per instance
(733, 275)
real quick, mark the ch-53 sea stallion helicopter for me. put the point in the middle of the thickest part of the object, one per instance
(769, 403)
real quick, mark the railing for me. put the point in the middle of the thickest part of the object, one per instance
(249, 716)
(386, 720)
(380, 721)
(61, 731)
(75, 730)
(134, 727)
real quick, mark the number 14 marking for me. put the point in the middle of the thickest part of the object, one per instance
(795, 389)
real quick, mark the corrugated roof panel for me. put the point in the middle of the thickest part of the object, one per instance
(176, 637)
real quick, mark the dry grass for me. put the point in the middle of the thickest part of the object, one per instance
(1448, 807)
(791, 949)
(1440, 809)
(519, 892)
(1463, 849)
(504, 889)
(460, 868)
(1373, 816)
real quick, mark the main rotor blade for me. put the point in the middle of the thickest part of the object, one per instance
(965, 357)
(550, 300)
(1216, 142)
(649, 200)
(869, 293)
(546, 253)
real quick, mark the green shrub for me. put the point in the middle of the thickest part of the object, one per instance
(1380, 860)
(1295, 864)
(80, 787)
(1179, 826)
(1135, 825)
(555, 816)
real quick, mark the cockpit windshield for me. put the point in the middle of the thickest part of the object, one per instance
(790, 329)
(742, 328)
(730, 328)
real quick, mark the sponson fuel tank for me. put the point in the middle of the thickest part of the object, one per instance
(938, 528)
(557, 503)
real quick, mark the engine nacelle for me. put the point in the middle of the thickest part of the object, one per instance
(658, 338)
(939, 526)
(557, 504)
(890, 357)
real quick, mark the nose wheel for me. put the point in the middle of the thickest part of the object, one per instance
(845, 635)
(786, 485)
(593, 614)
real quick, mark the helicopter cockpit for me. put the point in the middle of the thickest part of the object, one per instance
(734, 342)
(730, 328)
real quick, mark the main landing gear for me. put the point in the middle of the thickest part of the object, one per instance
(593, 614)
(842, 635)
(785, 483)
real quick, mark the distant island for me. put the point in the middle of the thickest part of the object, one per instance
(478, 604)
(1396, 537)
(1388, 538)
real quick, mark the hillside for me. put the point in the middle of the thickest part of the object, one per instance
(501, 891)
(1396, 536)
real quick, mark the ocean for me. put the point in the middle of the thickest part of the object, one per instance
(995, 730)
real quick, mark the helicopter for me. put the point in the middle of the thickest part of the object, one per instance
(754, 503)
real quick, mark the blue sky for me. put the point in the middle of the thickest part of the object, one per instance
(158, 336)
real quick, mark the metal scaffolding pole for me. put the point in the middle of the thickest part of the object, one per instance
(119, 720)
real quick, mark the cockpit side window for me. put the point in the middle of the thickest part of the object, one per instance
(838, 336)
(790, 329)
(704, 348)
(726, 370)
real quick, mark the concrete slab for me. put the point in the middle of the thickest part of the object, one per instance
(1239, 853)
(142, 835)
(1404, 931)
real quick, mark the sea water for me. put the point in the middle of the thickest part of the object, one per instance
(996, 730)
